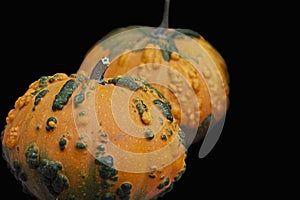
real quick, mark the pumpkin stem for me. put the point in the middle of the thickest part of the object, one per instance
(99, 70)
(165, 20)
(159, 33)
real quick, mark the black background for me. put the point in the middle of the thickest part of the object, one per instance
(50, 38)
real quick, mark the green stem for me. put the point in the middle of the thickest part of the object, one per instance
(165, 21)
(99, 70)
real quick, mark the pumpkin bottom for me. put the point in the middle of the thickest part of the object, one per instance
(90, 186)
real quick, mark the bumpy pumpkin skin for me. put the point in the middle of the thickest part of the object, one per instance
(61, 137)
(203, 84)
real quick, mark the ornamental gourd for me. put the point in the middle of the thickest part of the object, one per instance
(118, 133)
(184, 66)
(69, 137)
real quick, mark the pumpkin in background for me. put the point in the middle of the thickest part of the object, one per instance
(62, 139)
(191, 62)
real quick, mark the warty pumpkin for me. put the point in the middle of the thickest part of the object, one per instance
(69, 137)
(184, 66)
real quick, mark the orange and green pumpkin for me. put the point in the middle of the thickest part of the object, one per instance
(191, 62)
(117, 137)
(66, 138)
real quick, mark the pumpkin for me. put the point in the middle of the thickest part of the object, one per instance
(72, 137)
(184, 66)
